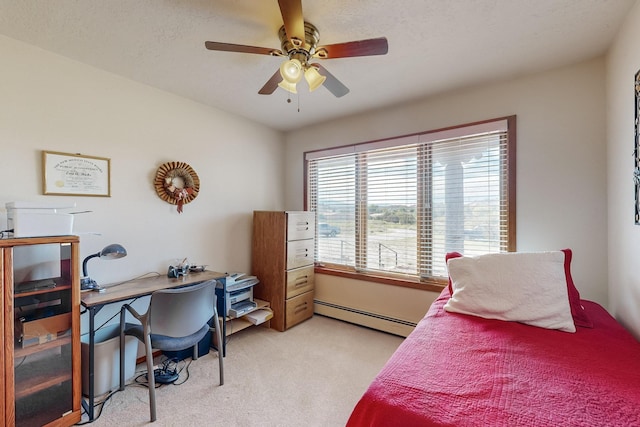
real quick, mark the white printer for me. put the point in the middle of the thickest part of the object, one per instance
(235, 294)
(32, 219)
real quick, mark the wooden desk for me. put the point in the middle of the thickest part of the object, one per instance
(95, 301)
(141, 287)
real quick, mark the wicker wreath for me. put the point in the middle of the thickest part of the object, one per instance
(177, 183)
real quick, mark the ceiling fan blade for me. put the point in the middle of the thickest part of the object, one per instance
(272, 84)
(293, 20)
(229, 47)
(378, 46)
(332, 83)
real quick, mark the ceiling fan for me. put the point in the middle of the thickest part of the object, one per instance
(299, 41)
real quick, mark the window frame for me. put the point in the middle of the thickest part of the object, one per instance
(431, 283)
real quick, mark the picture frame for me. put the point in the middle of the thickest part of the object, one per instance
(67, 174)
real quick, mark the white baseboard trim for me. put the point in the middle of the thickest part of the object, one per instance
(359, 317)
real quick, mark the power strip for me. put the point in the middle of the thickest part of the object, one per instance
(165, 377)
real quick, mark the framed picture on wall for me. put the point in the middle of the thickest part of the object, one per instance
(65, 174)
(636, 148)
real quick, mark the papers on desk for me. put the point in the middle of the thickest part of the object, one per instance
(259, 316)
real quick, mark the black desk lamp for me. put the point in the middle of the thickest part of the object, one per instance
(112, 251)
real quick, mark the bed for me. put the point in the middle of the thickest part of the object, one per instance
(460, 369)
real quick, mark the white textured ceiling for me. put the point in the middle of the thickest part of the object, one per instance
(434, 46)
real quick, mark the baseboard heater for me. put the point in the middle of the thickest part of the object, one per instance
(364, 318)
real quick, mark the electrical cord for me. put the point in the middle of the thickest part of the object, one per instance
(169, 367)
(3, 232)
(117, 313)
(168, 373)
(98, 405)
(20, 363)
(141, 381)
(185, 368)
(150, 274)
(172, 365)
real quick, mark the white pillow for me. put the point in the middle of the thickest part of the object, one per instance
(530, 288)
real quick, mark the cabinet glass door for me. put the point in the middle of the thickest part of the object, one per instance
(42, 335)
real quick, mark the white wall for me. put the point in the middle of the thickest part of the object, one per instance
(561, 175)
(51, 103)
(48, 102)
(623, 62)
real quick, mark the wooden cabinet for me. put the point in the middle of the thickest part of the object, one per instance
(40, 332)
(282, 258)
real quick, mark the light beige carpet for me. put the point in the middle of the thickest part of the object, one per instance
(311, 375)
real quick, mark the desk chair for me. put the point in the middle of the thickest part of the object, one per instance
(176, 320)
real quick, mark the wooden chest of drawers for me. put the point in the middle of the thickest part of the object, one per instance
(283, 248)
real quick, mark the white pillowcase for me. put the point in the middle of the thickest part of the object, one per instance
(526, 287)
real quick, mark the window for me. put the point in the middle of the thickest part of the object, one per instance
(392, 209)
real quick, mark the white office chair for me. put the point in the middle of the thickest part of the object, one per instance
(176, 320)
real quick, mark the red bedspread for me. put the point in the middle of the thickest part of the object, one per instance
(461, 370)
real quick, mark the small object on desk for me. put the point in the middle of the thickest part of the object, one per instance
(197, 268)
(112, 251)
(88, 284)
(177, 271)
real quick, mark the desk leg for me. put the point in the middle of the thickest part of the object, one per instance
(89, 406)
(224, 337)
(221, 307)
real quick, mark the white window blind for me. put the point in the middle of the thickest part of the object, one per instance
(396, 207)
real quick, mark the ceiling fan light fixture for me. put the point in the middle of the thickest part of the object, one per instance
(321, 53)
(314, 78)
(291, 71)
(299, 43)
(289, 87)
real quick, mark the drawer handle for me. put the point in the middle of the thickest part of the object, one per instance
(300, 308)
(301, 281)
